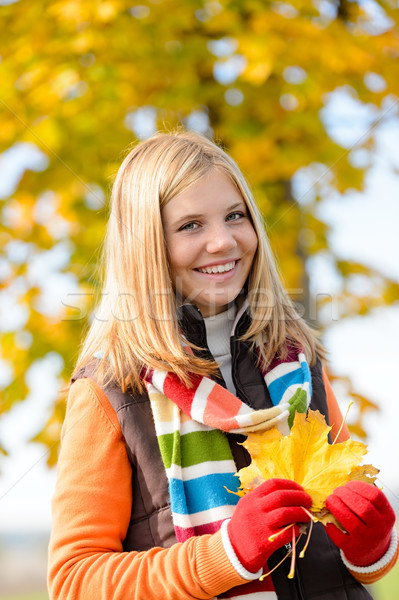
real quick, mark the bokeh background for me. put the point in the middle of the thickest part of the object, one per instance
(303, 94)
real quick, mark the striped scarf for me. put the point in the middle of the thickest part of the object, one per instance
(190, 426)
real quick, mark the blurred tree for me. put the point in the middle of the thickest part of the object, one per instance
(81, 80)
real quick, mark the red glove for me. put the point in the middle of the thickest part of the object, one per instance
(263, 512)
(367, 517)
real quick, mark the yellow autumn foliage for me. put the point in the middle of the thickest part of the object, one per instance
(76, 76)
(305, 456)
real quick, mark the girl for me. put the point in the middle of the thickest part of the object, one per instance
(193, 345)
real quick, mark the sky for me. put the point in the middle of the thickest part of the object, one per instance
(363, 227)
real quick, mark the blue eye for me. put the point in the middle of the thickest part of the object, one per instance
(189, 227)
(235, 216)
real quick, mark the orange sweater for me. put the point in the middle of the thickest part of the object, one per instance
(91, 513)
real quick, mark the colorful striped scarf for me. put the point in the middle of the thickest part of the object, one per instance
(190, 426)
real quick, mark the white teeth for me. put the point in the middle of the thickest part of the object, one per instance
(219, 268)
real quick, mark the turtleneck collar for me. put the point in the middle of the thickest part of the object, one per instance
(218, 331)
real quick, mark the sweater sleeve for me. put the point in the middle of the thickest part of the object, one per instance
(335, 415)
(370, 574)
(91, 510)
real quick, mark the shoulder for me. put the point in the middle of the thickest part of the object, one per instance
(87, 400)
(107, 406)
(111, 389)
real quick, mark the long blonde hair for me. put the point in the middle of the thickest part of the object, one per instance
(135, 324)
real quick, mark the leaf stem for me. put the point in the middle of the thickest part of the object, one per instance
(262, 577)
(302, 552)
(293, 556)
(274, 535)
(312, 517)
(343, 422)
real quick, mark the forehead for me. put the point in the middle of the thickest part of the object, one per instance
(215, 191)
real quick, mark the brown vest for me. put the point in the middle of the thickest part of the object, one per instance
(320, 575)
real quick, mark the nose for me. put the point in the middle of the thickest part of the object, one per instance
(220, 239)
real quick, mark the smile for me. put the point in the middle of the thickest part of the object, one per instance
(219, 268)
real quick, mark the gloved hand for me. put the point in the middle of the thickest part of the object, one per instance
(367, 517)
(263, 512)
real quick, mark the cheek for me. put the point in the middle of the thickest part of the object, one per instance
(176, 262)
(178, 257)
(251, 242)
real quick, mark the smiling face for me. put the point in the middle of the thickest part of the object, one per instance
(210, 242)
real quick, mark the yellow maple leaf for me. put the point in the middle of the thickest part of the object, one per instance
(305, 456)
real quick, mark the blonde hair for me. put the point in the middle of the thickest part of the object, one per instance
(136, 325)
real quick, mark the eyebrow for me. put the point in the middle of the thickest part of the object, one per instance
(199, 215)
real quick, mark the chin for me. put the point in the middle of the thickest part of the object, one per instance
(217, 306)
